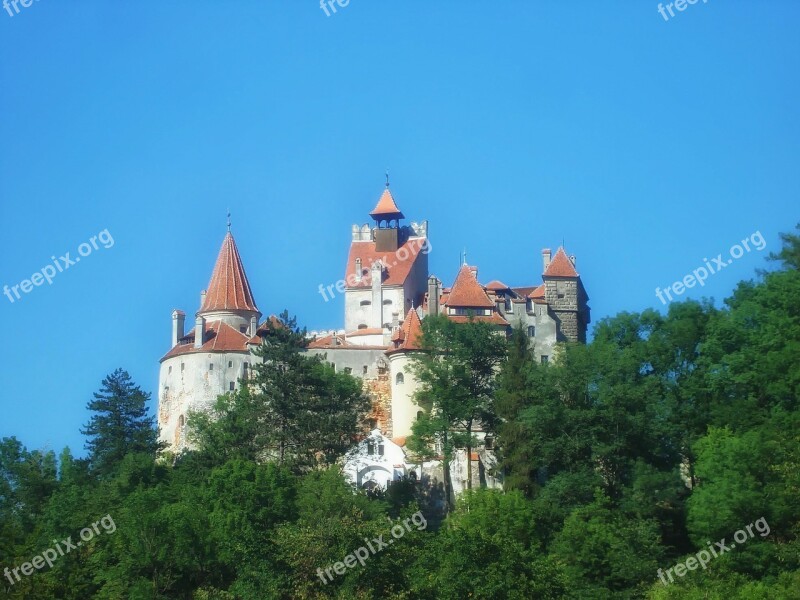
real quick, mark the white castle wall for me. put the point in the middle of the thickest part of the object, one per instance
(189, 382)
(404, 408)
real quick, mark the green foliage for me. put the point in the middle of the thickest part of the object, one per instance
(120, 424)
(456, 372)
(667, 433)
(295, 410)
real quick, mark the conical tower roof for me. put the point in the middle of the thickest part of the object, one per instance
(386, 208)
(229, 288)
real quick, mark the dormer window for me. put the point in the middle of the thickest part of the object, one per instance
(375, 447)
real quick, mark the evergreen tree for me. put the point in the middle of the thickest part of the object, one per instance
(456, 370)
(120, 424)
(295, 409)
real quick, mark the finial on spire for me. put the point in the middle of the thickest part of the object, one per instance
(229, 220)
(387, 178)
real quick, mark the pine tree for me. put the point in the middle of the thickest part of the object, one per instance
(120, 424)
(295, 409)
(456, 370)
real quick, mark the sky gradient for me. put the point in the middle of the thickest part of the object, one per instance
(646, 145)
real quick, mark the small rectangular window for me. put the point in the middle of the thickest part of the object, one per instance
(231, 386)
(230, 364)
(243, 328)
(211, 367)
(183, 366)
(545, 359)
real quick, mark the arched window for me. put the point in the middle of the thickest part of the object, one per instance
(181, 421)
(399, 379)
(531, 331)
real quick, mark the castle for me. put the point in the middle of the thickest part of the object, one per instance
(388, 291)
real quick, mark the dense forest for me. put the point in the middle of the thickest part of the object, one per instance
(661, 461)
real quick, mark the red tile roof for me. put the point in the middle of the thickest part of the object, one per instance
(467, 292)
(494, 319)
(330, 341)
(366, 331)
(537, 293)
(409, 335)
(386, 207)
(228, 288)
(497, 286)
(523, 291)
(560, 266)
(395, 269)
(262, 329)
(220, 337)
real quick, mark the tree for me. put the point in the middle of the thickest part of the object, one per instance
(513, 395)
(456, 370)
(295, 410)
(120, 424)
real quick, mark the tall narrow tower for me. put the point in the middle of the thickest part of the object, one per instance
(212, 356)
(566, 296)
(386, 273)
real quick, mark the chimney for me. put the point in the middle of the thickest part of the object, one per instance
(202, 299)
(546, 254)
(359, 270)
(178, 324)
(433, 296)
(253, 325)
(377, 295)
(199, 332)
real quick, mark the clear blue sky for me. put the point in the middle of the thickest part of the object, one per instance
(647, 145)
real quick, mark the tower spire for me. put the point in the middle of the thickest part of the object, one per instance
(229, 220)
(387, 178)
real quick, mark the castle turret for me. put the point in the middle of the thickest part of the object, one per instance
(386, 272)
(210, 358)
(387, 218)
(566, 297)
(228, 297)
(406, 341)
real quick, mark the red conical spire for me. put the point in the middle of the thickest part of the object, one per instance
(228, 288)
(386, 208)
